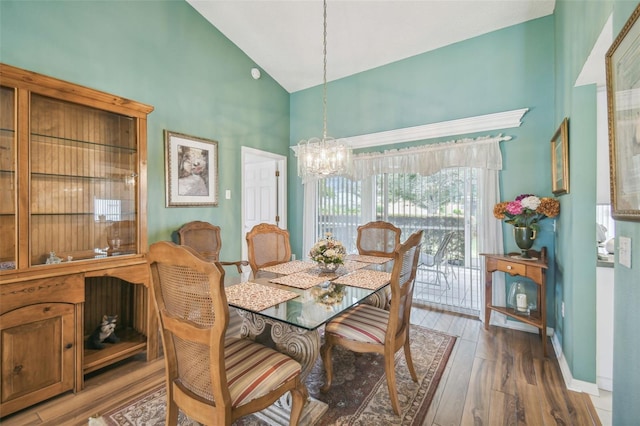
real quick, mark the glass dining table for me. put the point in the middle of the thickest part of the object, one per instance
(287, 305)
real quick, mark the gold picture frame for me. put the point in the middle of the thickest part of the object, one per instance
(623, 105)
(560, 159)
(191, 170)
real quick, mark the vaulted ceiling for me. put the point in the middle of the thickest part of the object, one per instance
(284, 37)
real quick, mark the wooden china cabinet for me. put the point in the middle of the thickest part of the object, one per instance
(73, 234)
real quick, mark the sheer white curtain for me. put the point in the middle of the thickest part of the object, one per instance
(481, 153)
(490, 238)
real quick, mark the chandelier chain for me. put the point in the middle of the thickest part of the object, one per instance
(324, 75)
(325, 157)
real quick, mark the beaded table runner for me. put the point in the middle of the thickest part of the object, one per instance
(289, 267)
(256, 297)
(369, 259)
(365, 278)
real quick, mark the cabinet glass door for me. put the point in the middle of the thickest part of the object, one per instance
(8, 185)
(83, 182)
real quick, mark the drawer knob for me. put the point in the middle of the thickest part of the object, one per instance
(509, 267)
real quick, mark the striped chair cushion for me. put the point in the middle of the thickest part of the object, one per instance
(363, 323)
(253, 369)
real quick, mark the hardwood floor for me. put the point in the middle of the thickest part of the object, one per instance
(494, 377)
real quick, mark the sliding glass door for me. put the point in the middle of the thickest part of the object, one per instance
(444, 205)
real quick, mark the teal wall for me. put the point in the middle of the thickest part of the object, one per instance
(578, 25)
(504, 70)
(626, 340)
(162, 53)
(501, 71)
(165, 54)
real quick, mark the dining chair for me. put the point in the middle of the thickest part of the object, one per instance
(366, 328)
(213, 379)
(267, 245)
(439, 261)
(378, 238)
(205, 238)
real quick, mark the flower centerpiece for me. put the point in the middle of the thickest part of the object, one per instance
(328, 253)
(524, 213)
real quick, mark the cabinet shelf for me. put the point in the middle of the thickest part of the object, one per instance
(122, 214)
(532, 319)
(77, 143)
(131, 343)
(117, 178)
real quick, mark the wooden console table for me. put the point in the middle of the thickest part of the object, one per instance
(534, 269)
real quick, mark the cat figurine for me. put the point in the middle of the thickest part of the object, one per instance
(105, 332)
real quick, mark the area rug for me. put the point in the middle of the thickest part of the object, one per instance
(358, 395)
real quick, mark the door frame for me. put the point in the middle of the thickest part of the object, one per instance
(249, 156)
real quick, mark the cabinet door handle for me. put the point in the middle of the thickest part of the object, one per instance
(68, 346)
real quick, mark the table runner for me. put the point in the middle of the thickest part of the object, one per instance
(256, 297)
(369, 259)
(289, 267)
(365, 278)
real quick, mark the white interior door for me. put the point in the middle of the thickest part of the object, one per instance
(263, 190)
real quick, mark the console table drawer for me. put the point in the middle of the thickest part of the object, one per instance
(511, 268)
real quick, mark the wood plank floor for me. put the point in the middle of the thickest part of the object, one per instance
(494, 377)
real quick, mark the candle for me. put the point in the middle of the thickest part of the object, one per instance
(521, 302)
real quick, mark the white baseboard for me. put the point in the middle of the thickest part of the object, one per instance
(569, 381)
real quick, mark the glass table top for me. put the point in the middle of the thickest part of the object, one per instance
(314, 306)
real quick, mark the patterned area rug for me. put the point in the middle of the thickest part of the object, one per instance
(358, 395)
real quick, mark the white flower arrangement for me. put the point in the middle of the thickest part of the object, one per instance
(328, 251)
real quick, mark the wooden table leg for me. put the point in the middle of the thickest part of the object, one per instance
(488, 296)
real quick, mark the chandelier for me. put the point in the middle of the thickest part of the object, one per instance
(319, 158)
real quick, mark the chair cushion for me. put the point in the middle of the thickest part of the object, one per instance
(253, 370)
(363, 323)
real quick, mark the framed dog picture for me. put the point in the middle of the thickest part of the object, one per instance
(191, 169)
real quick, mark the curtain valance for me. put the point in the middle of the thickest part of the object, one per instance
(482, 153)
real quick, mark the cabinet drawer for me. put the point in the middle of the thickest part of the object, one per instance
(63, 289)
(511, 268)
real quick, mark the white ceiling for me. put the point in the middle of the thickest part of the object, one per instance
(284, 37)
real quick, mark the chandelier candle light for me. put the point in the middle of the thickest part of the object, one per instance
(524, 213)
(319, 158)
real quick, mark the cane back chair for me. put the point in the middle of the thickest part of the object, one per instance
(267, 245)
(366, 328)
(379, 239)
(213, 379)
(205, 238)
